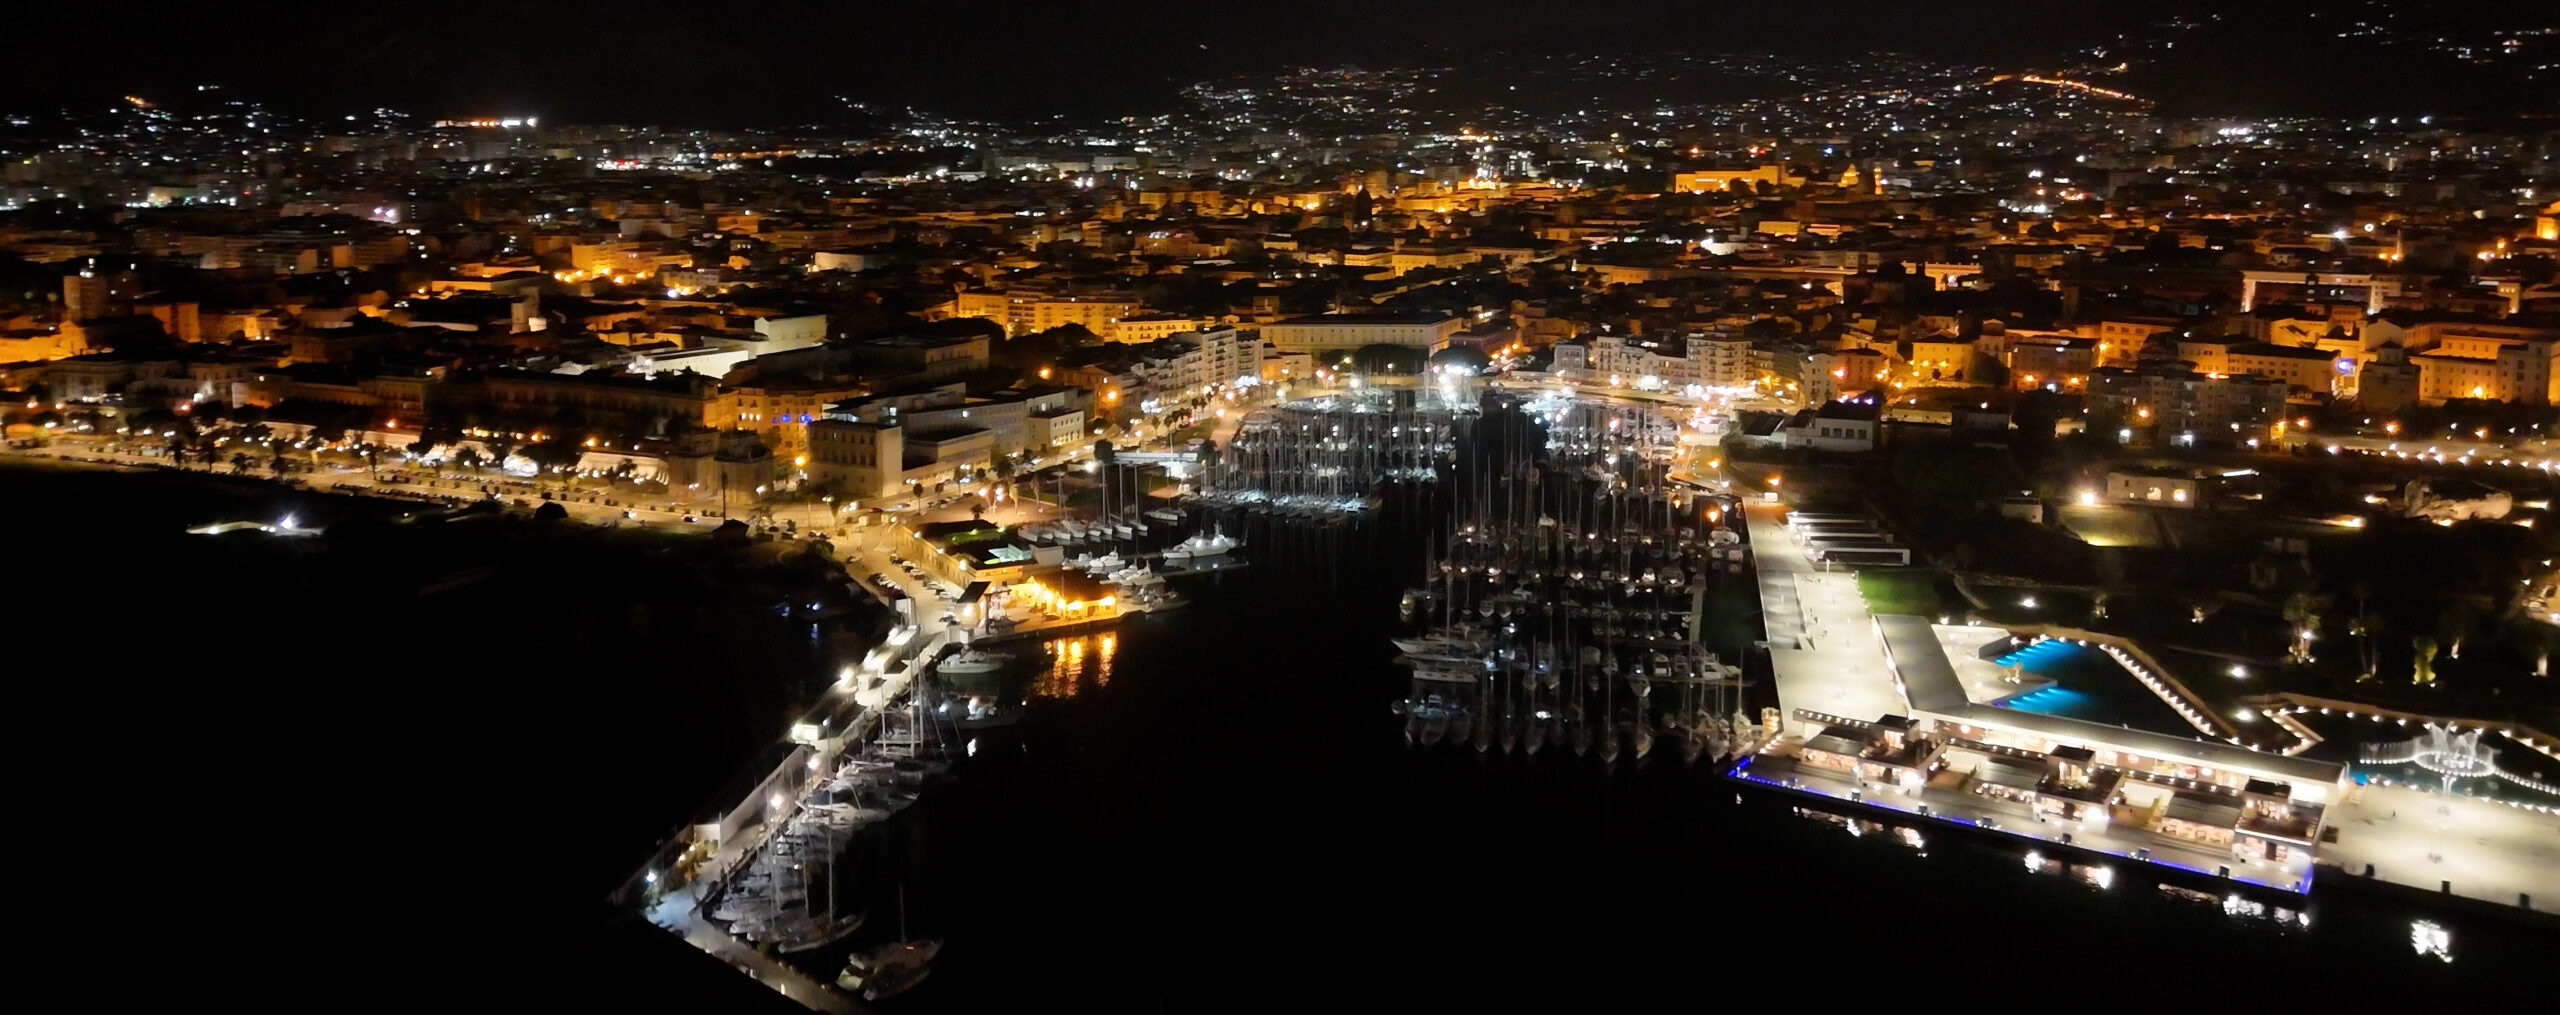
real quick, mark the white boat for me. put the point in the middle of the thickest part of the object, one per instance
(892, 970)
(1166, 515)
(1216, 544)
(1141, 575)
(1105, 564)
(970, 660)
(981, 713)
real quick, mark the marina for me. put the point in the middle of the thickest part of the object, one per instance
(1562, 602)
(1006, 508)
(1156, 777)
(1325, 456)
(1573, 565)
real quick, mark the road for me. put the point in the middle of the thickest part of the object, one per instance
(583, 503)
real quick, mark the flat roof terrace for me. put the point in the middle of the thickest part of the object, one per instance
(1926, 669)
(1776, 766)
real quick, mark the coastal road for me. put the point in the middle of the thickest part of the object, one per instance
(360, 482)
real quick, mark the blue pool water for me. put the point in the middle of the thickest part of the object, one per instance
(2055, 701)
(2035, 658)
(2089, 685)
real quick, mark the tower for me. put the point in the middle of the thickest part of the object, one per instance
(84, 296)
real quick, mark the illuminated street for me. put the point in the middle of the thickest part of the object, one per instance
(971, 507)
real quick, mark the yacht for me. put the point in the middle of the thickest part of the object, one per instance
(1216, 544)
(1166, 515)
(1139, 576)
(971, 661)
(1105, 564)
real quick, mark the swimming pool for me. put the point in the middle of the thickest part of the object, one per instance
(2089, 685)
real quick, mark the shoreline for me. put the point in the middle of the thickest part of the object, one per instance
(374, 492)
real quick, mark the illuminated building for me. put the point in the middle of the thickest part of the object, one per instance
(1426, 331)
(2226, 409)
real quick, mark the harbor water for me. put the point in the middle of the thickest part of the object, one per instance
(390, 796)
(1233, 818)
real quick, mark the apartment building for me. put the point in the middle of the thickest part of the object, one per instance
(1426, 331)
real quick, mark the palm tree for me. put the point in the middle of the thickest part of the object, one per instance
(2302, 610)
(2422, 667)
(322, 436)
(240, 461)
(2455, 624)
(2364, 628)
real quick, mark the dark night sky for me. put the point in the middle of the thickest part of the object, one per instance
(745, 63)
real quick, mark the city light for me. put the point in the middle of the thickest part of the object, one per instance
(943, 396)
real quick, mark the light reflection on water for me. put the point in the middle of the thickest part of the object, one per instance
(1071, 661)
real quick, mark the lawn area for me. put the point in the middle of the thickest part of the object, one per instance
(1911, 591)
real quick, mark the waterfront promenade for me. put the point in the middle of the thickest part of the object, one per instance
(676, 913)
(1823, 648)
(1828, 659)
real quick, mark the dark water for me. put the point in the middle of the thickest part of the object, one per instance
(286, 778)
(1235, 820)
(268, 770)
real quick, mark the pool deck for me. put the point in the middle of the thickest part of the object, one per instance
(2466, 847)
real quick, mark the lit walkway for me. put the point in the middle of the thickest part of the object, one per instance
(1822, 644)
(676, 912)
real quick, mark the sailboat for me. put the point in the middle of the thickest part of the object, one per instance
(893, 968)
